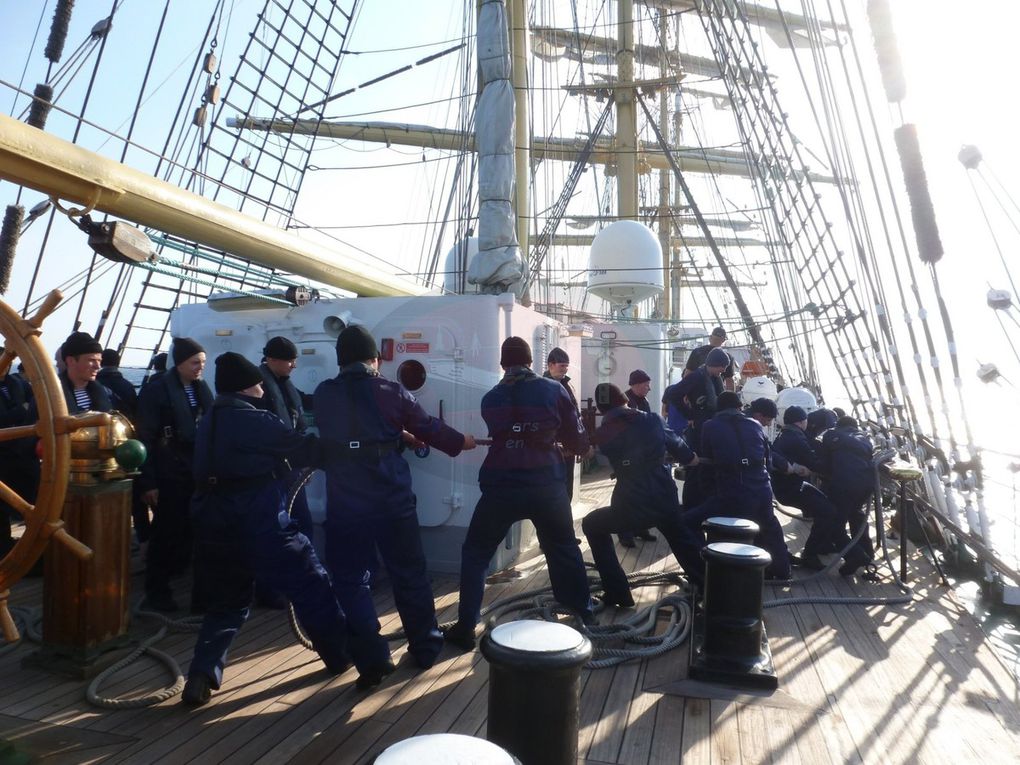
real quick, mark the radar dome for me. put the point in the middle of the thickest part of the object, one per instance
(455, 266)
(625, 263)
(756, 388)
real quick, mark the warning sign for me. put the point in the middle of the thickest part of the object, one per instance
(416, 347)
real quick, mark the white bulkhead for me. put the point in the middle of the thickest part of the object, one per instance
(444, 349)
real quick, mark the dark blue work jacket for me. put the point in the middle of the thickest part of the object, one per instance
(527, 416)
(695, 397)
(283, 398)
(360, 416)
(739, 453)
(241, 477)
(793, 444)
(166, 424)
(99, 395)
(634, 401)
(125, 397)
(846, 459)
(636, 444)
(17, 407)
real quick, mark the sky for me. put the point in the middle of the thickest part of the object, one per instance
(958, 71)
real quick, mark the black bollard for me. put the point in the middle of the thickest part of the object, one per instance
(534, 689)
(730, 644)
(722, 529)
(444, 748)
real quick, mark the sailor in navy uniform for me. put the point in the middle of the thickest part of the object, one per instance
(82, 357)
(794, 459)
(637, 398)
(523, 477)
(19, 467)
(243, 532)
(695, 397)
(125, 397)
(361, 418)
(636, 444)
(556, 366)
(819, 421)
(846, 460)
(740, 456)
(169, 409)
(289, 404)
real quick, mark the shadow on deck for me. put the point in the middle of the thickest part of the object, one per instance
(916, 683)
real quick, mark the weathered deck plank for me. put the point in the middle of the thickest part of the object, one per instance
(907, 684)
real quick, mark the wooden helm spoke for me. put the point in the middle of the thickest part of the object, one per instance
(57, 531)
(18, 431)
(70, 423)
(7, 626)
(15, 500)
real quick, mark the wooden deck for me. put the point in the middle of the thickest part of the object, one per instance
(905, 684)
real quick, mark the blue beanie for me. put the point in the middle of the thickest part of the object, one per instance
(793, 414)
(717, 357)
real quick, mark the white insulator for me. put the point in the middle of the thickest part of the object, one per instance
(988, 373)
(934, 362)
(922, 314)
(917, 358)
(1000, 300)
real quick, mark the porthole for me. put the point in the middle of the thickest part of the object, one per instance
(411, 374)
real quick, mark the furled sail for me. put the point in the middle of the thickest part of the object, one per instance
(498, 266)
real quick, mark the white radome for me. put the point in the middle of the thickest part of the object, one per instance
(625, 263)
(758, 387)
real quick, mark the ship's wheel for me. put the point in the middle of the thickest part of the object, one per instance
(53, 428)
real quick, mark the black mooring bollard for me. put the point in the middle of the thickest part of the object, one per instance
(731, 645)
(534, 689)
(722, 529)
(442, 749)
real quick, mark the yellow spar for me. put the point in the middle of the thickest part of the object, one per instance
(57, 168)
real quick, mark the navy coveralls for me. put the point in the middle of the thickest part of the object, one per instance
(846, 457)
(19, 467)
(99, 395)
(125, 397)
(522, 477)
(243, 533)
(370, 504)
(695, 398)
(792, 445)
(568, 457)
(636, 443)
(739, 452)
(288, 403)
(167, 424)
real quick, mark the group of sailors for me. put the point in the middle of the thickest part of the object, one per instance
(220, 467)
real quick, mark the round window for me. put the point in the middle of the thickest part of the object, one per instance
(411, 374)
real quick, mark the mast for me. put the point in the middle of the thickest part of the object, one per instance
(665, 223)
(626, 115)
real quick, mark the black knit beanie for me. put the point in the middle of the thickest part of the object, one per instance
(355, 344)
(78, 343)
(515, 352)
(280, 348)
(558, 356)
(235, 373)
(184, 348)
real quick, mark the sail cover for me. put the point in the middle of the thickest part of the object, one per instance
(497, 267)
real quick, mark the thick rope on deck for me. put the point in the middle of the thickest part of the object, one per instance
(187, 624)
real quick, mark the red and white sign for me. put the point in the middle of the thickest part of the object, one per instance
(416, 347)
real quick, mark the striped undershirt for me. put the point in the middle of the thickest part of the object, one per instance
(81, 398)
(189, 389)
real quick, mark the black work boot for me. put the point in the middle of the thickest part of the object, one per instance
(460, 636)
